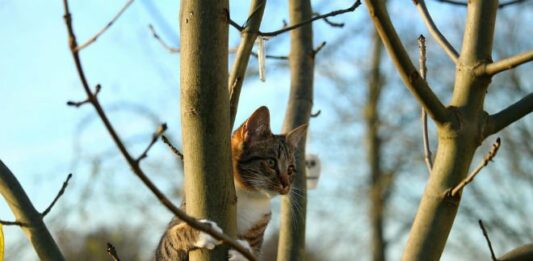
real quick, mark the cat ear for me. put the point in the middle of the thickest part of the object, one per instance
(296, 135)
(258, 125)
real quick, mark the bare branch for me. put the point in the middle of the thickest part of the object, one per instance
(172, 148)
(155, 137)
(329, 22)
(12, 223)
(507, 63)
(79, 104)
(488, 157)
(459, 3)
(103, 30)
(509, 115)
(27, 217)
(273, 57)
(295, 26)
(441, 40)
(193, 222)
(425, 137)
(238, 70)
(59, 194)
(316, 50)
(314, 115)
(486, 235)
(112, 252)
(163, 43)
(416, 84)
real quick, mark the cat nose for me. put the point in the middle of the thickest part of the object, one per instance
(285, 185)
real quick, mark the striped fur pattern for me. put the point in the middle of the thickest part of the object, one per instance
(263, 167)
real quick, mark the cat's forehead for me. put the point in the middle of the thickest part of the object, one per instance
(274, 146)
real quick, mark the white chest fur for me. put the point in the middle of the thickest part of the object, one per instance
(251, 207)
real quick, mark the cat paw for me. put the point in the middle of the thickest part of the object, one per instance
(235, 255)
(205, 240)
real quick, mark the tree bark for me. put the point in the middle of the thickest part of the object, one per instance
(377, 202)
(205, 121)
(291, 244)
(31, 220)
(457, 142)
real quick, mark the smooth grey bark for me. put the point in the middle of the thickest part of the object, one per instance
(25, 213)
(291, 244)
(205, 120)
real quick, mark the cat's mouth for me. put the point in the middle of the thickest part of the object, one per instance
(283, 190)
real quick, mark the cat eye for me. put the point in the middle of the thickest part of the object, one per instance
(271, 163)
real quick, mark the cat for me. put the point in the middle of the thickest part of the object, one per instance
(263, 167)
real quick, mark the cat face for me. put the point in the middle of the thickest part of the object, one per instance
(263, 161)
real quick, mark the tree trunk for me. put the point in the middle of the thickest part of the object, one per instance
(377, 202)
(458, 140)
(31, 220)
(205, 122)
(291, 244)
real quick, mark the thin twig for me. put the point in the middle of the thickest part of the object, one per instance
(441, 40)
(486, 235)
(314, 115)
(193, 222)
(488, 157)
(79, 104)
(423, 71)
(273, 57)
(329, 22)
(112, 252)
(163, 43)
(318, 48)
(155, 137)
(292, 27)
(59, 194)
(103, 30)
(172, 148)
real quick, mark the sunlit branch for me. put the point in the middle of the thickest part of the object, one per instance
(437, 35)
(464, 3)
(412, 79)
(112, 252)
(423, 71)
(488, 158)
(155, 137)
(508, 63)
(509, 115)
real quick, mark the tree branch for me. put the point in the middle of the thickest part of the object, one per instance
(486, 235)
(292, 27)
(238, 70)
(425, 137)
(30, 221)
(59, 194)
(129, 159)
(509, 115)
(112, 252)
(441, 40)
(508, 63)
(172, 148)
(155, 137)
(163, 43)
(103, 30)
(490, 155)
(416, 84)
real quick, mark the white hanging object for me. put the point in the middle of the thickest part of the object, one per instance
(261, 57)
(312, 165)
